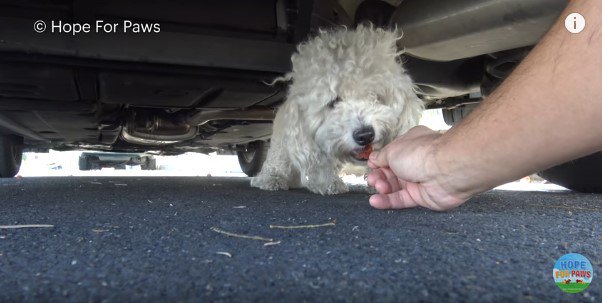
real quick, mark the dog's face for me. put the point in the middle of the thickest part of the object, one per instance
(352, 94)
(351, 124)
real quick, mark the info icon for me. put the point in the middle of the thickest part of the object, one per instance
(573, 273)
(574, 23)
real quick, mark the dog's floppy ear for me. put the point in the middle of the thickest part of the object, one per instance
(408, 107)
(298, 141)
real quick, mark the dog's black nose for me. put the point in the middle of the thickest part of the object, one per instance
(364, 136)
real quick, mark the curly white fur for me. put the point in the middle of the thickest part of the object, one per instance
(313, 135)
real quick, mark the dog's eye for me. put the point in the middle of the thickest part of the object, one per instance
(334, 102)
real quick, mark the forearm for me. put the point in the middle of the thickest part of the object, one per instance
(548, 111)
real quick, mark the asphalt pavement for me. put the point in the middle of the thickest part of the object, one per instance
(163, 239)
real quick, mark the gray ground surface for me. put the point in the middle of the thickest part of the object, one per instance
(151, 240)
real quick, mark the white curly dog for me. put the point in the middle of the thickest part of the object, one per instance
(349, 95)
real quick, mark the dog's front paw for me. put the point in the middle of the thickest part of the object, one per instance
(270, 182)
(330, 188)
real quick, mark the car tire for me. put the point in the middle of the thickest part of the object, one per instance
(454, 115)
(89, 163)
(83, 163)
(149, 164)
(251, 157)
(11, 155)
(94, 163)
(582, 175)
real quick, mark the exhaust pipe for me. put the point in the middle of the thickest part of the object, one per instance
(150, 129)
(252, 114)
(449, 30)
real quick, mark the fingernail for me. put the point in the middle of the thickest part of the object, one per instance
(373, 201)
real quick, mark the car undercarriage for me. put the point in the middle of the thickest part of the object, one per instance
(200, 83)
(166, 77)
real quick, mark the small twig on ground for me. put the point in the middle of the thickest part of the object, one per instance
(271, 243)
(217, 230)
(333, 223)
(26, 226)
(224, 253)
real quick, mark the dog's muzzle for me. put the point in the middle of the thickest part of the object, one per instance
(364, 135)
(362, 153)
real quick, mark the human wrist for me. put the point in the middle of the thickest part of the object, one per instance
(453, 172)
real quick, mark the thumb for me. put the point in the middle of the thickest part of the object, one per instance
(379, 159)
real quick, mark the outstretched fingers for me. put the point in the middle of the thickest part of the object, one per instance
(396, 200)
(409, 195)
(384, 181)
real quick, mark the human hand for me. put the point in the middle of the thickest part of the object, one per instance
(406, 174)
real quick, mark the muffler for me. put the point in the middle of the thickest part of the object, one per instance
(148, 128)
